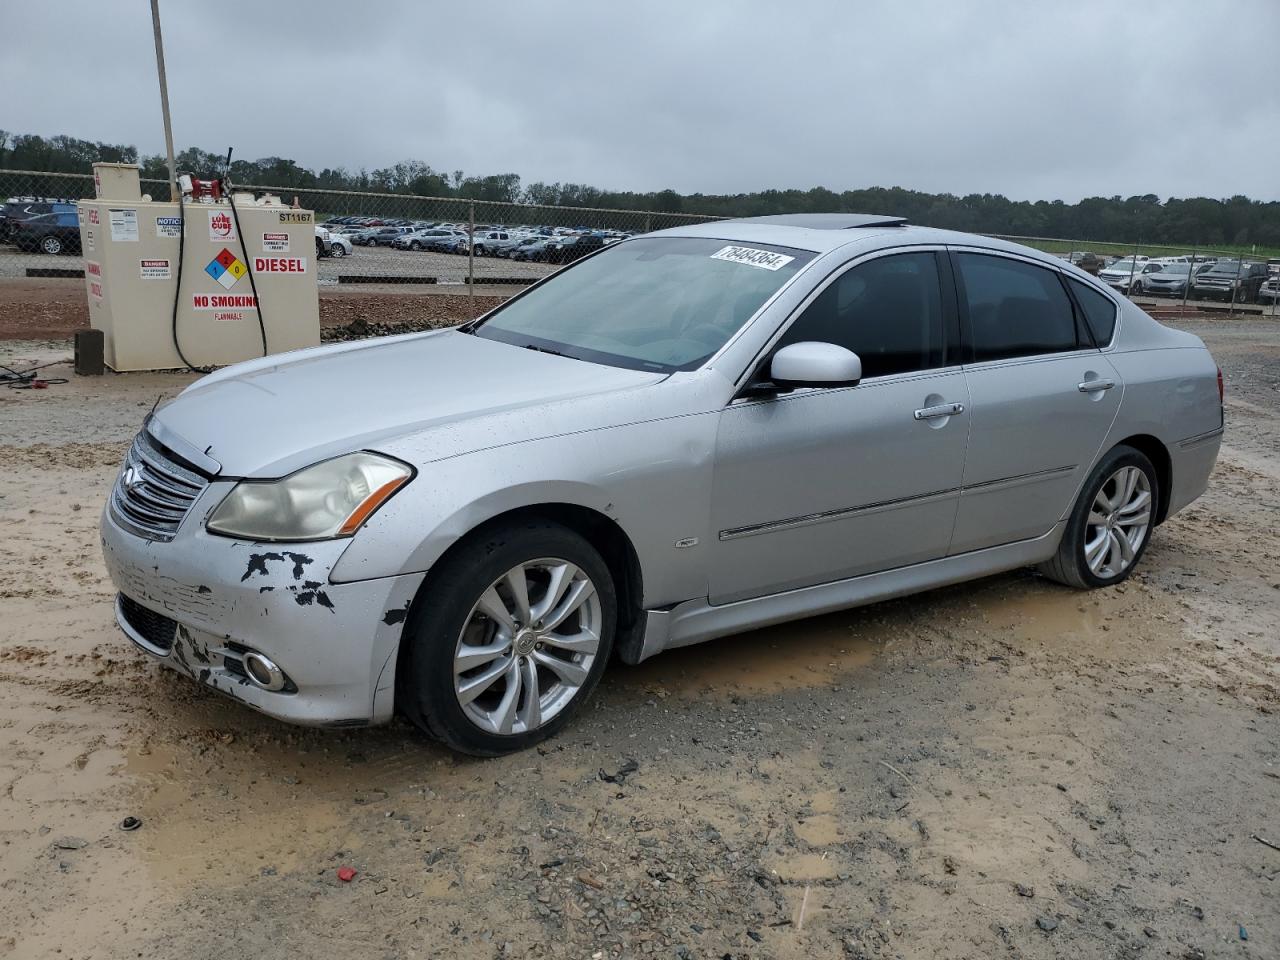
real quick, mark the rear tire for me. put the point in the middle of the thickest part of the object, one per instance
(1111, 523)
(51, 245)
(450, 620)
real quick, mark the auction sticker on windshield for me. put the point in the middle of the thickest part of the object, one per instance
(752, 257)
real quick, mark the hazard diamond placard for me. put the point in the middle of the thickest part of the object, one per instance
(226, 268)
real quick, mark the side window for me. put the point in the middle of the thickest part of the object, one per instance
(1016, 309)
(888, 311)
(1099, 311)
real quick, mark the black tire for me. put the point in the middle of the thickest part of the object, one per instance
(415, 245)
(337, 250)
(425, 677)
(1068, 565)
(51, 245)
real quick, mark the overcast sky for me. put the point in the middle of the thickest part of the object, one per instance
(1035, 100)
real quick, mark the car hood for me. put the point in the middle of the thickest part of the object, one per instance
(269, 417)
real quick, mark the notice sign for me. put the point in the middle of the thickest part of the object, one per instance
(89, 243)
(170, 227)
(124, 225)
(95, 289)
(221, 226)
(228, 315)
(279, 264)
(275, 243)
(93, 269)
(293, 216)
(154, 269)
(223, 301)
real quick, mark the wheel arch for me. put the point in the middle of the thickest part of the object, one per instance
(1155, 451)
(601, 531)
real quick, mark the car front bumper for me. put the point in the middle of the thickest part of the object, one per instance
(335, 642)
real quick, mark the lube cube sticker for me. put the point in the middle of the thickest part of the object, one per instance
(221, 226)
(226, 268)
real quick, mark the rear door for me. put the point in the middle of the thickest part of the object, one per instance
(1043, 397)
(819, 485)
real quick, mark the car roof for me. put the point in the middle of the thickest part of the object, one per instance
(822, 233)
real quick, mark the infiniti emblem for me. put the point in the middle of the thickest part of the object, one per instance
(131, 477)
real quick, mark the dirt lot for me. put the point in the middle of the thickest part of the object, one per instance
(1001, 769)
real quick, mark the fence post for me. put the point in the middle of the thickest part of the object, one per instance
(1191, 272)
(648, 223)
(471, 249)
(1133, 265)
(1239, 266)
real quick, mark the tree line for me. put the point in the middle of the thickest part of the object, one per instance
(1206, 221)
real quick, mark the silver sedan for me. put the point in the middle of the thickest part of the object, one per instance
(682, 436)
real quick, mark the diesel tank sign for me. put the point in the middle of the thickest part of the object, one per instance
(279, 264)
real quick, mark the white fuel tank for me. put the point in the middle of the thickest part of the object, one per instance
(131, 244)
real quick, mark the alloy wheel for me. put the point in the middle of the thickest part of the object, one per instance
(527, 647)
(1118, 522)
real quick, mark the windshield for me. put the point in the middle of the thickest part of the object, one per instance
(1126, 264)
(1181, 269)
(1226, 266)
(657, 303)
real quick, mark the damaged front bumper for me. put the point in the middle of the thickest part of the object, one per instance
(336, 643)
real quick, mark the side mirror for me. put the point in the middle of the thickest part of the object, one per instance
(814, 364)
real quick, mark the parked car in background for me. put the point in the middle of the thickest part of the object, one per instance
(330, 244)
(1089, 262)
(1170, 280)
(580, 247)
(426, 239)
(1122, 273)
(1234, 281)
(524, 243)
(24, 208)
(608, 463)
(48, 233)
(489, 242)
(1269, 292)
(385, 236)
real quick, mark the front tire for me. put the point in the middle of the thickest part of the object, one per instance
(51, 245)
(509, 637)
(1110, 524)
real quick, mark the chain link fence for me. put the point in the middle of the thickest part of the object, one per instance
(405, 241)
(362, 238)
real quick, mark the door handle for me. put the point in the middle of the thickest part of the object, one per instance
(1093, 386)
(941, 410)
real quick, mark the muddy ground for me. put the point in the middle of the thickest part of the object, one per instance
(1001, 769)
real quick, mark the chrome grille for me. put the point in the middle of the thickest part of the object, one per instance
(154, 492)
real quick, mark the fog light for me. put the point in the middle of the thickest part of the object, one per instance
(263, 672)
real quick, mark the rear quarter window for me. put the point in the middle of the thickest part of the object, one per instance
(1099, 311)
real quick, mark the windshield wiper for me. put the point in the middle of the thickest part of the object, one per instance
(554, 353)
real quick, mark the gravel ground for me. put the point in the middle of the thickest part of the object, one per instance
(1002, 768)
(55, 309)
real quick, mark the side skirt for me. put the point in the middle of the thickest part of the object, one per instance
(694, 621)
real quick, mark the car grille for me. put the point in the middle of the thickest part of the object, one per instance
(157, 629)
(154, 491)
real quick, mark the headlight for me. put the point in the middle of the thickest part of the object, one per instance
(330, 499)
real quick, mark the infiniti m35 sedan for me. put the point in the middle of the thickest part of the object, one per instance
(681, 436)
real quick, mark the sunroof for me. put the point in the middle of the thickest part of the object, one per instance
(828, 221)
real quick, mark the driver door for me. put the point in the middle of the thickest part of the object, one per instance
(822, 484)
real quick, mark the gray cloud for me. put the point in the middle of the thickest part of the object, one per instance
(1032, 100)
